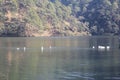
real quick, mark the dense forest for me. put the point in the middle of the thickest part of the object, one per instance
(59, 17)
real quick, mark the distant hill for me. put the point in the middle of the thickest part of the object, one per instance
(59, 17)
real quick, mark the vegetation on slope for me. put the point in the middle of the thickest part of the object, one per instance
(35, 17)
(59, 17)
(103, 16)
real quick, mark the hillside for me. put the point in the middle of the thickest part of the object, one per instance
(59, 17)
(103, 16)
(38, 18)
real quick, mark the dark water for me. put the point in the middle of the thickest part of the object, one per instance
(68, 58)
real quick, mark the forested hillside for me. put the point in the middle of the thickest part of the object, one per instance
(59, 17)
(103, 16)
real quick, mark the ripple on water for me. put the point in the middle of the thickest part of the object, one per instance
(112, 78)
(3, 76)
(76, 75)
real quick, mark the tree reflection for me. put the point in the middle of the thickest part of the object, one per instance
(67, 62)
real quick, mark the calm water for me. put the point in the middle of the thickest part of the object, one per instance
(71, 58)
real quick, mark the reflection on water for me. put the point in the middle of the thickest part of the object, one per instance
(71, 58)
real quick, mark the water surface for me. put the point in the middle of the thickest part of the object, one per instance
(55, 58)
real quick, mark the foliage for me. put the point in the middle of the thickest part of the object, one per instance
(103, 16)
(51, 15)
(63, 17)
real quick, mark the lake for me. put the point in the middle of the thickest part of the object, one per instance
(60, 58)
